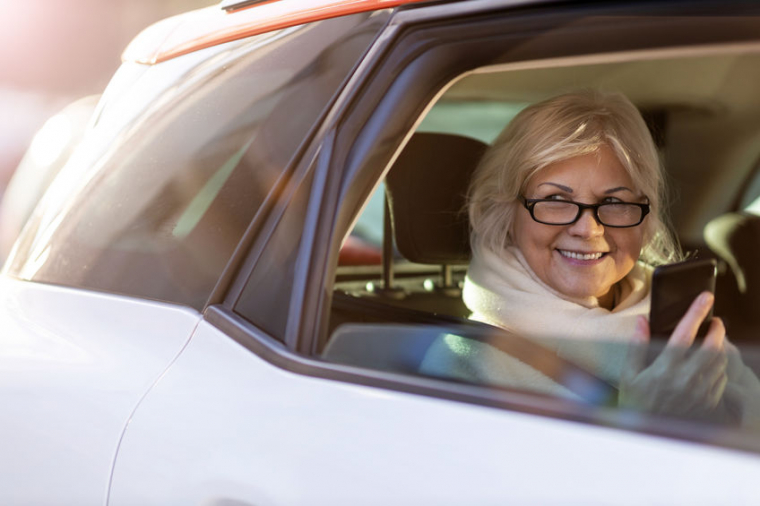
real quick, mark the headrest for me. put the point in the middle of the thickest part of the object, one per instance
(427, 188)
(735, 238)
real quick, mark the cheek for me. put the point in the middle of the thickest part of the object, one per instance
(629, 243)
(525, 234)
(533, 239)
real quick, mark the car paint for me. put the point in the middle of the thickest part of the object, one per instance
(73, 367)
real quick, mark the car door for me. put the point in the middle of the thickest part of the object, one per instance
(253, 412)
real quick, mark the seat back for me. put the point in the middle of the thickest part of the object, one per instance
(427, 189)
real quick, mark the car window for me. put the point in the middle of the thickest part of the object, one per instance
(166, 207)
(268, 308)
(417, 324)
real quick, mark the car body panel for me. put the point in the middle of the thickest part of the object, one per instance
(75, 364)
(223, 426)
(211, 26)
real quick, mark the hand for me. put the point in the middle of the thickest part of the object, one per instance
(681, 381)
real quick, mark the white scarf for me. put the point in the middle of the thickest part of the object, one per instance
(503, 291)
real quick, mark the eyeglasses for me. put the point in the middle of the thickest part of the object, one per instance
(566, 212)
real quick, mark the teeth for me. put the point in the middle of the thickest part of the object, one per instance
(581, 256)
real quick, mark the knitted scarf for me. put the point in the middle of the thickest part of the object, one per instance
(503, 291)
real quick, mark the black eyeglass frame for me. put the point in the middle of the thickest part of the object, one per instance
(529, 204)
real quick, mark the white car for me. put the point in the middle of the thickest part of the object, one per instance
(180, 324)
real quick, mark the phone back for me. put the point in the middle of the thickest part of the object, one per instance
(674, 288)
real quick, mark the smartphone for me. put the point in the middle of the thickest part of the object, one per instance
(674, 288)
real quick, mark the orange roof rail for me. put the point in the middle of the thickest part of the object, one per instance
(214, 25)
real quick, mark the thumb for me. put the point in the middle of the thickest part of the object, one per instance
(637, 350)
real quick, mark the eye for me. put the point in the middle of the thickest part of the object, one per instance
(610, 200)
(556, 196)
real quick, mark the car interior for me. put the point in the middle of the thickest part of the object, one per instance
(703, 110)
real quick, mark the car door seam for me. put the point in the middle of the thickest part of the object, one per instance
(139, 403)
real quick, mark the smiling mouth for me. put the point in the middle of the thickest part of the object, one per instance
(576, 255)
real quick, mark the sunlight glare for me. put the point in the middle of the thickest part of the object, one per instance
(51, 141)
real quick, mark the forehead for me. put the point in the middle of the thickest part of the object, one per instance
(600, 170)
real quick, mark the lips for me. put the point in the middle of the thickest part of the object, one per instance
(580, 255)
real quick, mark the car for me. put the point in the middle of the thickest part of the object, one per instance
(226, 294)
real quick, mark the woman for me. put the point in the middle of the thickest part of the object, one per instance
(566, 217)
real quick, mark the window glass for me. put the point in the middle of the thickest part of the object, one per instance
(161, 213)
(265, 299)
(751, 196)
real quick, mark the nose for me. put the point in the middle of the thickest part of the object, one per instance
(586, 227)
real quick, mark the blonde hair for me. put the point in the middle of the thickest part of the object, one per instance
(557, 129)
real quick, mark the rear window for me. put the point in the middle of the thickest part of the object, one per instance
(159, 215)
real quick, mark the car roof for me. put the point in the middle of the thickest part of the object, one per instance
(236, 19)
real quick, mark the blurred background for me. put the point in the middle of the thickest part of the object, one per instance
(55, 52)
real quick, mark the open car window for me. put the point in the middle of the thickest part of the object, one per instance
(402, 311)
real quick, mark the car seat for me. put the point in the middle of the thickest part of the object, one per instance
(425, 210)
(427, 189)
(426, 192)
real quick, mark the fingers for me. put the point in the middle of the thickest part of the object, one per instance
(706, 376)
(716, 336)
(710, 385)
(716, 392)
(641, 332)
(686, 330)
(637, 350)
(681, 380)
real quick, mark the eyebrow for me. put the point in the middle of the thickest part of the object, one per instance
(562, 187)
(618, 189)
(567, 189)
